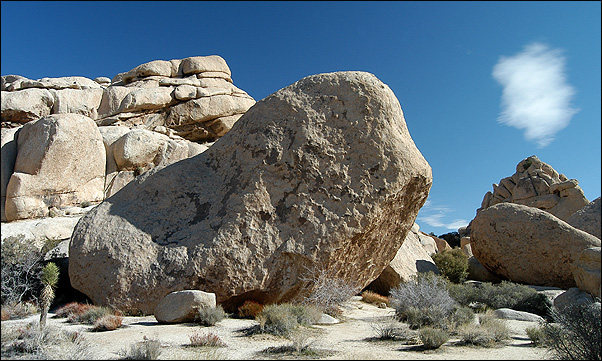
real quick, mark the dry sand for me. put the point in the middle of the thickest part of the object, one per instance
(350, 339)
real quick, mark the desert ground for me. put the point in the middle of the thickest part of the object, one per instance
(353, 338)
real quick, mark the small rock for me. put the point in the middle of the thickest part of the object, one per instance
(327, 320)
(510, 314)
(181, 306)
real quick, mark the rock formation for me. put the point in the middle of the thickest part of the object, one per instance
(321, 175)
(60, 162)
(588, 218)
(144, 116)
(536, 184)
(193, 97)
(410, 259)
(527, 245)
(586, 270)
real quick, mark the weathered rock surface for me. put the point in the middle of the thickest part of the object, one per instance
(25, 105)
(588, 218)
(477, 272)
(527, 245)
(182, 306)
(586, 270)
(410, 259)
(322, 174)
(38, 231)
(46, 172)
(8, 156)
(536, 184)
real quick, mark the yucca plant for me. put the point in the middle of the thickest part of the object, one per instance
(49, 278)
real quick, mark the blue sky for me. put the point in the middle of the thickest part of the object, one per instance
(471, 123)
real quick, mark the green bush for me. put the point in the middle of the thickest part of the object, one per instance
(433, 338)
(209, 316)
(453, 264)
(503, 295)
(576, 334)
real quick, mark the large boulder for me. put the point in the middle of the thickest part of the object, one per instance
(536, 184)
(527, 245)
(46, 172)
(588, 218)
(26, 105)
(586, 270)
(410, 259)
(321, 175)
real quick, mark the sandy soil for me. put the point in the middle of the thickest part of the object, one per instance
(350, 339)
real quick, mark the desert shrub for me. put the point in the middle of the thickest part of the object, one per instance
(453, 264)
(462, 315)
(328, 291)
(301, 346)
(374, 298)
(72, 308)
(284, 318)
(249, 309)
(503, 295)
(90, 315)
(21, 264)
(433, 338)
(537, 335)
(391, 329)
(488, 333)
(576, 334)
(18, 310)
(108, 323)
(205, 339)
(33, 342)
(424, 300)
(147, 349)
(209, 316)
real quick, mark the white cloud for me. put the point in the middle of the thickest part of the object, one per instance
(435, 216)
(536, 96)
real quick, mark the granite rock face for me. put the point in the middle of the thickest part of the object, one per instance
(48, 174)
(411, 258)
(588, 218)
(586, 270)
(321, 175)
(536, 184)
(527, 245)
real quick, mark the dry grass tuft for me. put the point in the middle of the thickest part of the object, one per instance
(210, 339)
(108, 323)
(374, 298)
(249, 309)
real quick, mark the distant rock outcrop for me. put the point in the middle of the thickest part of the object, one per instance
(193, 97)
(527, 245)
(536, 184)
(321, 175)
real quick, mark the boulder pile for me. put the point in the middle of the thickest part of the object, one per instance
(156, 114)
